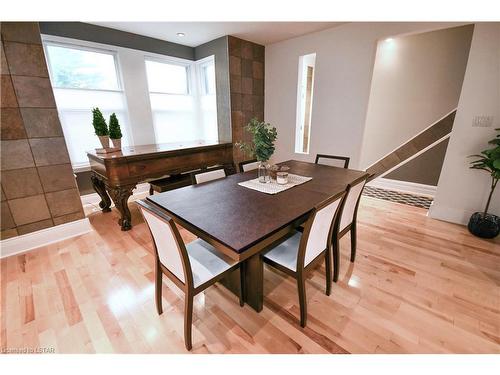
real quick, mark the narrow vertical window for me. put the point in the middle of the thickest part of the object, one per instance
(304, 103)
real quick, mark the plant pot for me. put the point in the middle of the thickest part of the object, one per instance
(117, 143)
(104, 140)
(484, 226)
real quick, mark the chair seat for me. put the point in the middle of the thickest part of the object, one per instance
(286, 252)
(206, 262)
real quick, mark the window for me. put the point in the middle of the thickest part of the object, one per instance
(167, 78)
(304, 103)
(82, 79)
(182, 95)
(80, 69)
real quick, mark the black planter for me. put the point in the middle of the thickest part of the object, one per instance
(487, 226)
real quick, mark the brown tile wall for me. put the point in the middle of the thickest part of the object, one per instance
(246, 70)
(37, 182)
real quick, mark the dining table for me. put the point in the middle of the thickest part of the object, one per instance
(243, 223)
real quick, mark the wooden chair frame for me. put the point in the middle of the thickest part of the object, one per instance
(346, 159)
(352, 227)
(241, 164)
(301, 272)
(188, 286)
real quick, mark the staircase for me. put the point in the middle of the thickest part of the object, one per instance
(414, 147)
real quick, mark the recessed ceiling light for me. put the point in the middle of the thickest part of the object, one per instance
(181, 35)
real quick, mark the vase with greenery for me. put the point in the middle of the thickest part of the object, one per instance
(262, 147)
(100, 127)
(484, 224)
(115, 133)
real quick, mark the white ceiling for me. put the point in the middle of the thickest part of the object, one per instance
(201, 32)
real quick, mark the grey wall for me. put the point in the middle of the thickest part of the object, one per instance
(424, 169)
(105, 35)
(219, 48)
(416, 80)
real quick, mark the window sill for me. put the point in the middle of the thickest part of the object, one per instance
(83, 167)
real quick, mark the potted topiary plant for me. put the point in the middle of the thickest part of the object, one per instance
(115, 132)
(100, 127)
(262, 147)
(483, 224)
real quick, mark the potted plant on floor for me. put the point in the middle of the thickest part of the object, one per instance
(100, 127)
(115, 132)
(262, 148)
(484, 224)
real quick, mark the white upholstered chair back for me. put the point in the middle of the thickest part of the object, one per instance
(250, 166)
(320, 231)
(166, 244)
(209, 176)
(350, 204)
(331, 162)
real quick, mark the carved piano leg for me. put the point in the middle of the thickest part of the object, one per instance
(120, 197)
(100, 188)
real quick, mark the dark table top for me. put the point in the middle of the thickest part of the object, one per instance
(239, 217)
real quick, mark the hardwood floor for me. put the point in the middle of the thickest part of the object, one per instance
(418, 286)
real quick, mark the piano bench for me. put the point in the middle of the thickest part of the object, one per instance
(169, 183)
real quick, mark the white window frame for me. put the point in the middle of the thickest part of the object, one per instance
(188, 64)
(200, 65)
(196, 83)
(92, 47)
(132, 82)
(47, 41)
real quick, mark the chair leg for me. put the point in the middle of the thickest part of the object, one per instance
(336, 259)
(302, 299)
(242, 286)
(328, 267)
(158, 287)
(353, 241)
(188, 320)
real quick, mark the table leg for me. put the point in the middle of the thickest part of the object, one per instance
(100, 188)
(120, 197)
(253, 282)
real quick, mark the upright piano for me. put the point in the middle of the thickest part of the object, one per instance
(116, 174)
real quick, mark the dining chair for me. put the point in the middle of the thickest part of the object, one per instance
(347, 223)
(303, 250)
(192, 267)
(248, 165)
(208, 174)
(329, 159)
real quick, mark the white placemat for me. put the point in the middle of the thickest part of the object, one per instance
(273, 187)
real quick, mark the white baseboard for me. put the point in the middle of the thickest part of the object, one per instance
(94, 198)
(29, 241)
(403, 186)
(453, 215)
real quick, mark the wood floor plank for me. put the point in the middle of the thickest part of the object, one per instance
(418, 286)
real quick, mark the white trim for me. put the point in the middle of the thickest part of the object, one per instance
(81, 167)
(417, 154)
(403, 186)
(416, 135)
(30, 241)
(449, 214)
(94, 198)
